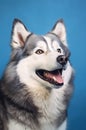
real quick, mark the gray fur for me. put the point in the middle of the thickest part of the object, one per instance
(17, 100)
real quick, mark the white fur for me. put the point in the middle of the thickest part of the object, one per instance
(49, 43)
(48, 102)
(19, 29)
(41, 45)
(53, 45)
(67, 73)
(27, 66)
(13, 125)
(60, 31)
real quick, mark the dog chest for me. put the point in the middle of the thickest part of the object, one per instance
(13, 125)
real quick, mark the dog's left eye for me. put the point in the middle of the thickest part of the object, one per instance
(39, 51)
(59, 50)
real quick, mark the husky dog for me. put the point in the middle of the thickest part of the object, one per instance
(37, 84)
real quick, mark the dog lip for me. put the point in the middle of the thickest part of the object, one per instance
(53, 77)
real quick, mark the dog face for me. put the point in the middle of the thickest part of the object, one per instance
(40, 60)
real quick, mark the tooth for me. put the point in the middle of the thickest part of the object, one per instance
(54, 78)
(45, 74)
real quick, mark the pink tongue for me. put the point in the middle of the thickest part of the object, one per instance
(57, 78)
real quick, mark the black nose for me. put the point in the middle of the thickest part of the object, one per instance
(62, 59)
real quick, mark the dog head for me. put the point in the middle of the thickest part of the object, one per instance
(41, 60)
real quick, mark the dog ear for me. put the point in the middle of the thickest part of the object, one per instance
(60, 30)
(19, 34)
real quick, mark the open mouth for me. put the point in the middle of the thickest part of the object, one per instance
(53, 77)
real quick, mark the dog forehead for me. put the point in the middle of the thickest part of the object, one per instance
(42, 44)
(33, 41)
(52, 42)
(46, 42)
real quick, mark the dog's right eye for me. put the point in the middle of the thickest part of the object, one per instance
(59, 50)
(39, 51)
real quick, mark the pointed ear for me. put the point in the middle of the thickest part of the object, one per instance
(19, 34)
(60, 30)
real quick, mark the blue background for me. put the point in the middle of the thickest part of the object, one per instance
(40, 16)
